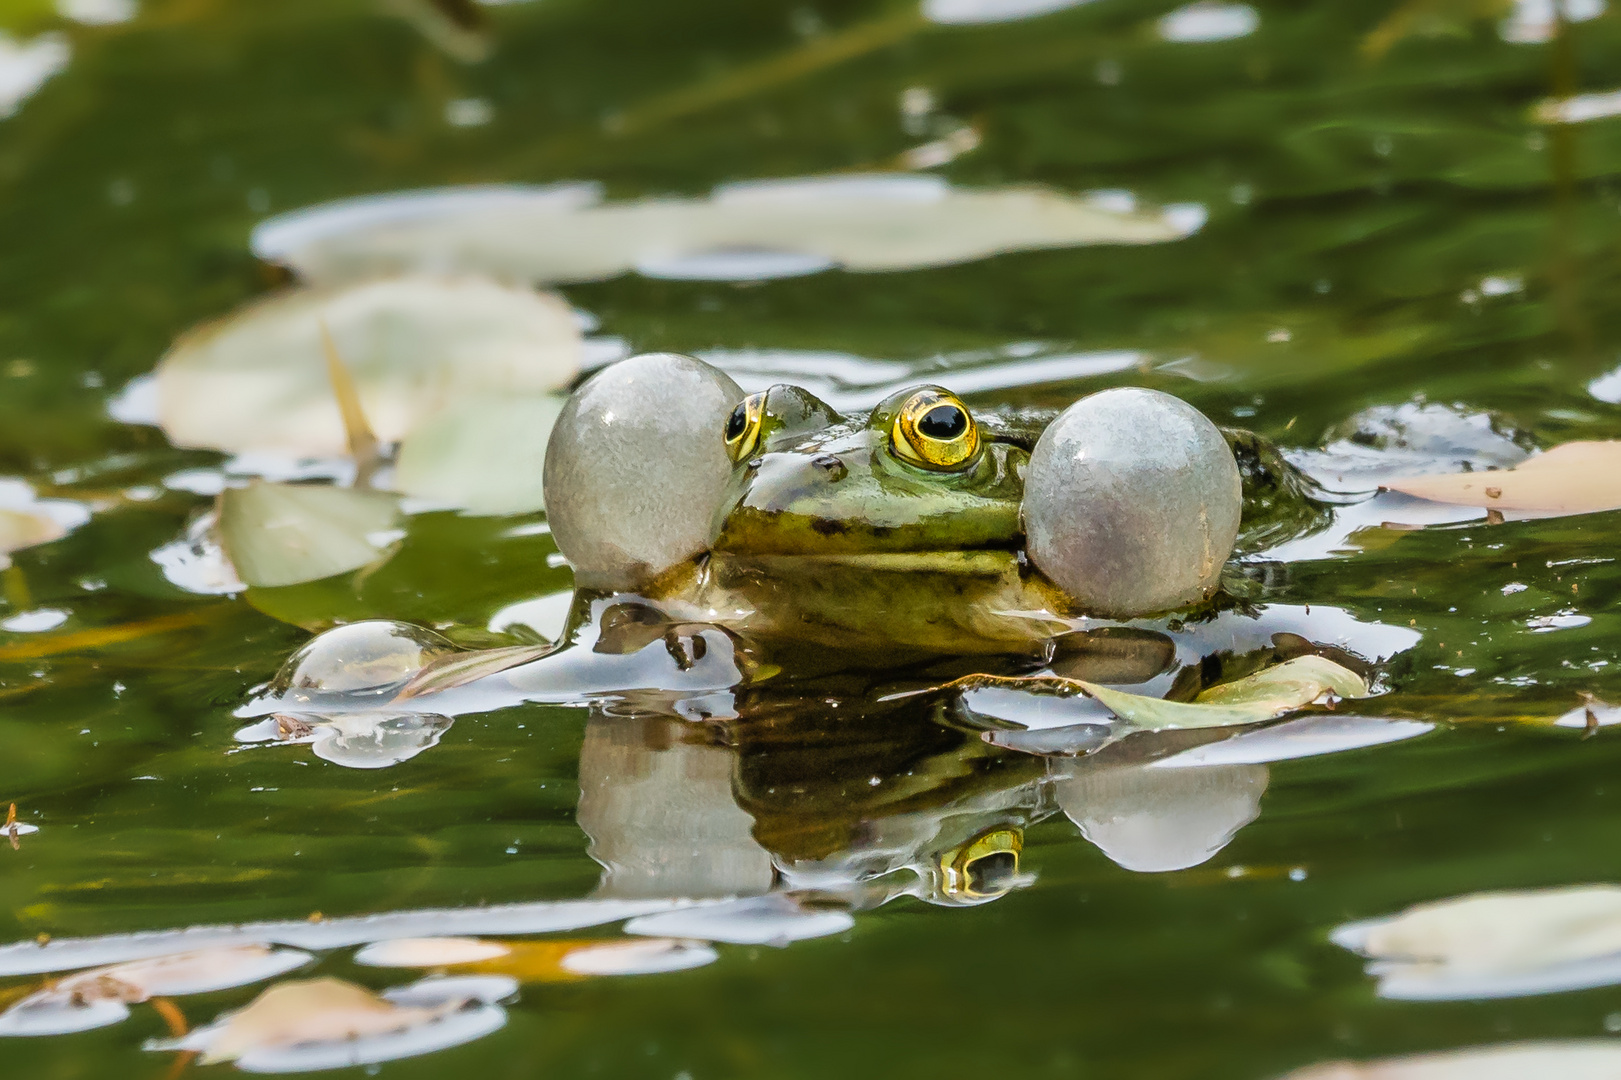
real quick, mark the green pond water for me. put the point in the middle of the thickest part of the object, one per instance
(1388, 225)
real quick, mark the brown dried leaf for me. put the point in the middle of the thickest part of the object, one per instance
(1574, 478)
(314, 1010)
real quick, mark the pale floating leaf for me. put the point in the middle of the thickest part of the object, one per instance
(773, 919)
(258, 380)
(1573, 1059)
(743, 231)
(27, 520)
(1573, 478)
(284, 534)
(311, 1014)
(430, 952)
(101, 996)
(483, 454)
(1488, 945)
(1272, 692)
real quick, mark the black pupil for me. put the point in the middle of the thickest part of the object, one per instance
(943, 422)
(993, 872)
(737, 423)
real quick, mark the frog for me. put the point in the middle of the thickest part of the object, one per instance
(900, 532)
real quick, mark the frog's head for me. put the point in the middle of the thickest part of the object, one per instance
(918, 476)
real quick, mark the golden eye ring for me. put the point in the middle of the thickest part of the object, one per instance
(983, 868)
(743, 427)
(934, 429)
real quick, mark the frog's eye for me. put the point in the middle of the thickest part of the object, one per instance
(935, 430)
(984, 868)
(743, 427)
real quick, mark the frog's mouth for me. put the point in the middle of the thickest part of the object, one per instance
(977, 562)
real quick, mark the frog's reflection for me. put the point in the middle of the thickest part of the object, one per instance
(867, 801)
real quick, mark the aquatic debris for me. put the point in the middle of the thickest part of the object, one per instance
(1091, 531)
(751, 230)
(1155, 821)
(25, 67)
(1572, 478)
(284, 534)
(1309, 736)
(1568, 1059)
(1590, 715)
(102, 996)
(327, 1023)
(14, 829)
(1492, 945)
(27, 521)
(541, 961)
(1208, 20)
(258, 379)
(1268, 693)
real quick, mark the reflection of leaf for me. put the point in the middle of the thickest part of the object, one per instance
(1262, 696)
(1495, 944)
(1575, 478)
(742, 231)
(480, 454)
(283, 534)
(1569, 1059)
(259, 378)
(540, 961)
(459, 669)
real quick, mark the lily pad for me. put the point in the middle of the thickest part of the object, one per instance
(742, 231)
(1573, 478)
(258, 379)
(283, 534)
(483, 454)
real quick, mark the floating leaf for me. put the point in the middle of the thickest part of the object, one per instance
(27, 521)
(1271, 692)
(772, 919)
(324, 1023)
(1573, 478)
(483, 454)
(743, 231)
(283, 534)
(258, 380)
(1308, 736)
(1571, 1059)
(100, 996)
(1497, 944)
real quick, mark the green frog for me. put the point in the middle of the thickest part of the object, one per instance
(903, 531)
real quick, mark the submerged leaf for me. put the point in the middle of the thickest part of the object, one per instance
(283, 534)
(258, 380)
(742, 231)
(1271, 692)
(1573, 478)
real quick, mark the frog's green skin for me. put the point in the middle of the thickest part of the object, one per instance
(826, 536)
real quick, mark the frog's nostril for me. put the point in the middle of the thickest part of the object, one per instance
(831, 465)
